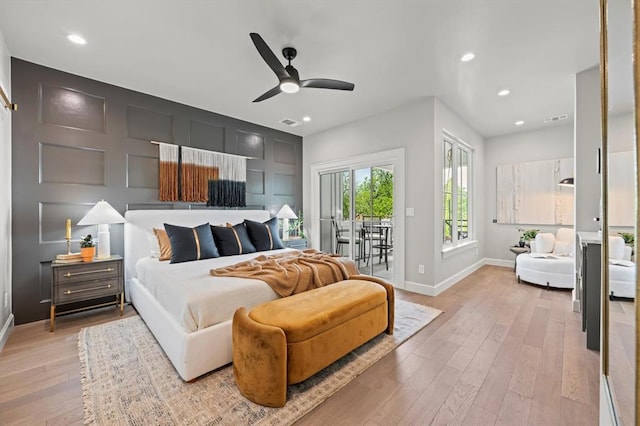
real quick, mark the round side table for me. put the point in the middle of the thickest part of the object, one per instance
(518, 250)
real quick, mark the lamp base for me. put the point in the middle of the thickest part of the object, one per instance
(104, 242)
(285, 229)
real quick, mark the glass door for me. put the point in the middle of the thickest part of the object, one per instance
(356, 217)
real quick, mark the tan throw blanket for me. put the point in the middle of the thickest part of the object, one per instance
(293, 272)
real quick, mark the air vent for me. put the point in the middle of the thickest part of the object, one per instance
(556, 118)
(289, 122)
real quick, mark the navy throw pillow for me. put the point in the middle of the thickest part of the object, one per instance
(232, 240)
(189, 244)
(264, 235)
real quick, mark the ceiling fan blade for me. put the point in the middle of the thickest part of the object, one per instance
(327, 83)
(268, 56)
(268, 94)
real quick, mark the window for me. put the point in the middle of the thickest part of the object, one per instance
(456, 190)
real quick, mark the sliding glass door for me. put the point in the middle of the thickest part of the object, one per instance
(356, 217)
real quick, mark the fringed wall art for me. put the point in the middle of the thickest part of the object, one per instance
(196, 175)
(230, 189)
(169, 157)
(198, 167)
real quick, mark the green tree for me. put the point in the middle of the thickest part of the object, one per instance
(374, 195)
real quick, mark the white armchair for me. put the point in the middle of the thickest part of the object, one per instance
(551, 261)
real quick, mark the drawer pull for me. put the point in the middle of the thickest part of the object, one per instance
(71, 274)
(87, 289)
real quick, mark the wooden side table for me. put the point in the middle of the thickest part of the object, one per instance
(517, 250)
(79, 282)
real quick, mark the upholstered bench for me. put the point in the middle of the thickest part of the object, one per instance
(285, 341)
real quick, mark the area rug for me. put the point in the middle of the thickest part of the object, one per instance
(127, 379)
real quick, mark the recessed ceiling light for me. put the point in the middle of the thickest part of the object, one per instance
(467, 57)
(77, 39)
(519, 123)
(503, 92)
(306, 118)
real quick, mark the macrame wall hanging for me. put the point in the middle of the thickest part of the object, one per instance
(198, 167)
(230, 189)
(196, 175)
(169, 156)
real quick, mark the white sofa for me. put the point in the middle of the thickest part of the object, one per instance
(622, 271)
(551, 261)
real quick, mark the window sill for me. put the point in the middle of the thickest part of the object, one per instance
(460, 248)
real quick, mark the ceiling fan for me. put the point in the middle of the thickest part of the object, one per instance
(288, 76)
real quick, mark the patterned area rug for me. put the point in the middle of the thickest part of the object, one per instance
(127, 378)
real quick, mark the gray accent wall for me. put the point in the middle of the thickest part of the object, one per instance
(76, 141)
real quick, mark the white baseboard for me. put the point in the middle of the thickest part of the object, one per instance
(499, 262)
(6, 331)
(419, 288)
(445, 284)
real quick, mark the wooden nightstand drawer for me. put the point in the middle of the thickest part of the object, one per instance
(87, 271)
(73, 292)
(82, 282)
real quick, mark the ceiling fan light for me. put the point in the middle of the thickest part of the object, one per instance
(289, 86)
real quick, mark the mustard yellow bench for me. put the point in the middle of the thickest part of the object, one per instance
(285, 341)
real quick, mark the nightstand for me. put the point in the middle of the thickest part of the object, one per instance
(79, 282)
(296, 243)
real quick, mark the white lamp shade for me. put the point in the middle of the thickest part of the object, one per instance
(100, 214)
(286, 213)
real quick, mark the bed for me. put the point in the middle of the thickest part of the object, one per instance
(196, 338)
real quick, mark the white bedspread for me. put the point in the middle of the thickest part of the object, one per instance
(195, 298)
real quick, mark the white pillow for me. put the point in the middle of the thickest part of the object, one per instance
(154, 246)
(545, 242)
(616, 247)
(563, 248)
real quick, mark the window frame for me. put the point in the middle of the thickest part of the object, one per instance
(457, 145)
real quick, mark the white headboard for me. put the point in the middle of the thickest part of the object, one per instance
(140, 222)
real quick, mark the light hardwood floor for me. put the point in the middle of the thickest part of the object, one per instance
(502, 353)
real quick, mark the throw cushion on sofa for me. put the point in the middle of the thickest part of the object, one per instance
(563, 248)
(545, 242)
(616, 247)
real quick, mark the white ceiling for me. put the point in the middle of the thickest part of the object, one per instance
(199, 53)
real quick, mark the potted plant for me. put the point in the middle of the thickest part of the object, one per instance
(87, 248)
(527, 235)
(628, 238)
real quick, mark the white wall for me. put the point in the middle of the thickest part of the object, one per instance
(587, 141)
(6, 318)
(543, 144)
(620, 138)
(412, 127)
(620, 135)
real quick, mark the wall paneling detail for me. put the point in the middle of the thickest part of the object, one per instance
(149, 125)
(72, 108)
(70, 164)
(76, 141)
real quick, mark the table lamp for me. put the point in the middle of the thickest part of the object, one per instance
(102, 214)
(285, 213)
